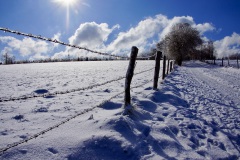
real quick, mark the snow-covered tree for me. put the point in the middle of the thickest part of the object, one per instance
(180, 42)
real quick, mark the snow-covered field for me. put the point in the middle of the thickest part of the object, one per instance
(195, 113)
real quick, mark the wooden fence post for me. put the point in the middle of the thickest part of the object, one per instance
(222, 61)
(237, 62)
(171, 66)
(164, 67)
(129, 75)
(168, 66)
(157, 68)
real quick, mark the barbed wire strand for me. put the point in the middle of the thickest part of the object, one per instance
(65, 44)
(9, 146)
(25, 97)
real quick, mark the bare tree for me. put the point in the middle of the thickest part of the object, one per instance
(207, 51)
(8, 58)
(180, 42)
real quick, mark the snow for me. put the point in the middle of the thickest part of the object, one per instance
(194, 114)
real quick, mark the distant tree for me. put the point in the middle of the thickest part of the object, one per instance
(150, 54)
(207, 51)
(180, 43)
(8, 58)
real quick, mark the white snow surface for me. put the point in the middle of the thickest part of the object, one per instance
(194, 113)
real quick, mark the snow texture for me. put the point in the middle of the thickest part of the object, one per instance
(194, 113)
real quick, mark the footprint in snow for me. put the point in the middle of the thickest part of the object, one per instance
(18, 117)
(23, 151)
(165, 114)
(41, 91)
(52, 150)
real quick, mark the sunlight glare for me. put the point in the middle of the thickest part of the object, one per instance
(66, 2)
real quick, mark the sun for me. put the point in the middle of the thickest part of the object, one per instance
(69, 5)
(66, 2)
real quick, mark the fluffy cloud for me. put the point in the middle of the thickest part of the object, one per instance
(28, 47)
(227, 46)
(138, 36)
(144, 35)
(6, 50)
(205, 27)
(91, 35)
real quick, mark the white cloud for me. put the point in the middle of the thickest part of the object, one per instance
(60, 55)
(38, 56)
(28, 47)
(205, 27)
(144, 35)
(6, 50)
(138, 36)
(228, 45)
(91, 34)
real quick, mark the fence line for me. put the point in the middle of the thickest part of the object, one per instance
(9, 146)
(230, 63)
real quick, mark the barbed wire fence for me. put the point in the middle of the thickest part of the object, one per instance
(131, 67)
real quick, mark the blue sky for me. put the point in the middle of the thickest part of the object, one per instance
(113, 26)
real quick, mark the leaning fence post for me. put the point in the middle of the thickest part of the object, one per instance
(164, 67)
(157, 68)
(129, 75)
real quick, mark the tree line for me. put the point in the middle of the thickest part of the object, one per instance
(10, 59)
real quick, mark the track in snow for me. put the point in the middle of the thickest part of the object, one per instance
(212, 94)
